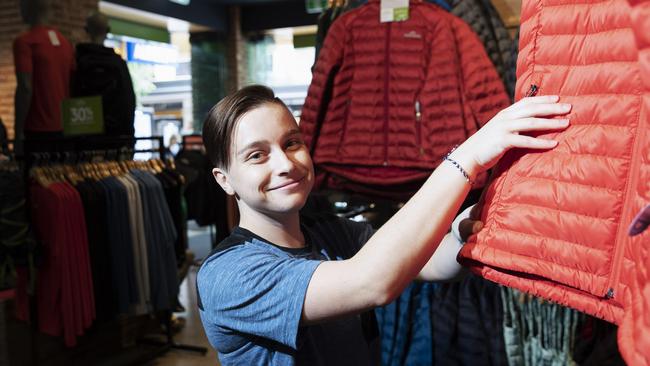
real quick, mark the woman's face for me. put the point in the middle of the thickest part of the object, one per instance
(270, 167)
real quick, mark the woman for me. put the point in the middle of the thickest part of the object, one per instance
(285, 289)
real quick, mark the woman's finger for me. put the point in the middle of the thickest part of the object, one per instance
(538, 110)
(469, 227)
(532, 100)
(537, 124)
(542, 99)
(528, 142)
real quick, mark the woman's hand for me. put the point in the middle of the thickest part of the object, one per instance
(467, 223)
(483, 149)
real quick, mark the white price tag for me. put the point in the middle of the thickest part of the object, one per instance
(394, 11)
(54, 39)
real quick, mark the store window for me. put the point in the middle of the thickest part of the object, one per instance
(277, 60)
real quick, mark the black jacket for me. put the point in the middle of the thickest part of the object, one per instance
(100, 71)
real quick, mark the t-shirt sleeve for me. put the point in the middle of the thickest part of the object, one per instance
(255, 292)
(22, 56)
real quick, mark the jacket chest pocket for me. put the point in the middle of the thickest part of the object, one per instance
(531, 86)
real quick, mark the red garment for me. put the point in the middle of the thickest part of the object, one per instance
(634, 332)
(44, 53)
(556, 221)
(64, 293)
(388, 100)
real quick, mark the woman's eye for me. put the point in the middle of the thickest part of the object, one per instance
(292, 143)
(255, 156)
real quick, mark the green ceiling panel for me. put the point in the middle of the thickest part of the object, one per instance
(136, 30)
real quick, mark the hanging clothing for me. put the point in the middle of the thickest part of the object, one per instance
(388, 100)
(140, 262)
(66, 303)
(595, 343)
(17, 245)
(173, 185)
(481, 15)
(94, 202)
(109, 245)
(405, 327)
(326, 18)
(160, 235)
(537, 332)
(206, 201)
(467, 318)
(511, 67)
(556, 221)
(633, 335)
(120, 244)
(484, 19)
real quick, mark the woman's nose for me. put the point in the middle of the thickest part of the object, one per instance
(282, 163)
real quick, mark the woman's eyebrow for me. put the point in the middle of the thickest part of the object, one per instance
(259, 143)
(292, 132)
(252, 145)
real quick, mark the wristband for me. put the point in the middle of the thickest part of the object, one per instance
(458, 166)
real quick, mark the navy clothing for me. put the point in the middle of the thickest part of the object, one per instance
(405, 327)
(251, 294)
(121, 244)
(467, 324)
(173, 186)
(95, 210)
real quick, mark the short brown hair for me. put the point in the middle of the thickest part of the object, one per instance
(221, 120)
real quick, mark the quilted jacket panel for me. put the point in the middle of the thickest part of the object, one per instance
(556, 221)
(634, 343)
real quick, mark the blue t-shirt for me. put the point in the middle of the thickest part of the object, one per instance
(251, 293)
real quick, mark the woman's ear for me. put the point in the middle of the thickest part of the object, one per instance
(222, 179)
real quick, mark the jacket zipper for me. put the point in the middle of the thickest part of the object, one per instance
(386, 76)
(418, 126)
(628, 214)
(532, 91)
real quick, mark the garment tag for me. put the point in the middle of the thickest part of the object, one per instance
(53, 38)
(640, 222)
(394, 11)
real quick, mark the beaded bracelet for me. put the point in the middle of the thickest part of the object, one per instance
(455, 163)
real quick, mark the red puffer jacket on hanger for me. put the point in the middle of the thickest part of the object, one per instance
(634, 332)
(388, 100)
(556, 221)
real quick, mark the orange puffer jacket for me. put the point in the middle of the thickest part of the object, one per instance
(634, 332)
(556, 221)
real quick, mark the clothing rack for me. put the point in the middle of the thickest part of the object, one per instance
(195, 142)
(65, 148)
(90, 143)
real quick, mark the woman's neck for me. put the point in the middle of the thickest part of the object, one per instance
(283, 230)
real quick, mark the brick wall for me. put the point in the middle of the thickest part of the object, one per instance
(68, 17)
